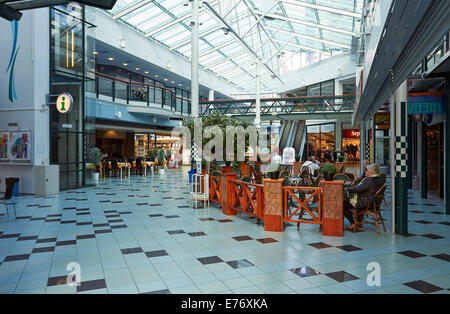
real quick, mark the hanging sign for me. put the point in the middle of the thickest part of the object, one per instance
(64, 103)
(426, 103)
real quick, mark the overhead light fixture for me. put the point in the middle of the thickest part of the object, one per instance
(172, 82)
(137, 69)
(146, 72)
(111, 59)
(125, 64)
(165, 80)
(95, 52)
(225, 30)
(180, 85)
(9, 13)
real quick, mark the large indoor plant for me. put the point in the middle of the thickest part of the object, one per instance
(329, 171)
(160, 156)
(95, 156)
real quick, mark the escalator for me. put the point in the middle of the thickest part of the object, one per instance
(285, 136)
(298, 138)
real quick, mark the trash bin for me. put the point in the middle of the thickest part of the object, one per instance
(15, 191)
(191, 173)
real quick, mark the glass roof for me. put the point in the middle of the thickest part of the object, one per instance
(285, 34)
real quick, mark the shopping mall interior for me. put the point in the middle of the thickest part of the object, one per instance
(120, 172)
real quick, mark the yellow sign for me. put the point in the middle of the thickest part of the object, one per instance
(64, 103)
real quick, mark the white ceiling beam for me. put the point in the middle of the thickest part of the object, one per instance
(129, 9)
(323, 8)
(301, 47)
(306, 23)
(299, 35)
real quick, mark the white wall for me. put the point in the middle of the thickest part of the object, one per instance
(31, 76)
(110, 31)
(338, 67)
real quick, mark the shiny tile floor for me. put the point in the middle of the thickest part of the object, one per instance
(140, 235)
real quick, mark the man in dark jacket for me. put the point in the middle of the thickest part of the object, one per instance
(363, 193)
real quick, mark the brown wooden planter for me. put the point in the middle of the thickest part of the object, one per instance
(244, 169)
(227, 169)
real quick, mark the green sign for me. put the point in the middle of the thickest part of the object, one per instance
(426, 104)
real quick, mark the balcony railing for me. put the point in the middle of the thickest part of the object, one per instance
(146, 94)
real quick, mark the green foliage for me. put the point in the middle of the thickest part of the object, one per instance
(340, 157)
(273, 167)
(329, 168)
(297, 157)
(95, 155)
(221, 121)
(160, 156)
(151, 154)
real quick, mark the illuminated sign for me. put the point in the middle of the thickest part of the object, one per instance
(351, 133)
(64, 103)
(426, 103)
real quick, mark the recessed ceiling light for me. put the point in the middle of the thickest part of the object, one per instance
(125, 64)
(110, 58)
(95, 52)
(146, 72)
(137, 69)
(156, 75)
(180, 85)
(166, 80)
(172, 82)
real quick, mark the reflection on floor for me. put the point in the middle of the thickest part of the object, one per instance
(139, 235)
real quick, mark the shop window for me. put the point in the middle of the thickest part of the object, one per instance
(321, 141)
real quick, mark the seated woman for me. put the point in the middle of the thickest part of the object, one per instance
(363, 193)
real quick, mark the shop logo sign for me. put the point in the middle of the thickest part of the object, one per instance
(12, 62)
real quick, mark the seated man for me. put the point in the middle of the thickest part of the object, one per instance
(363, 193)
(311, 164)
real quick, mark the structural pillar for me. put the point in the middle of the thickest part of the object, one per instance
(400, 158)
(447, 148)
(374, 142)
(362, 154)
(211, 95)
(258, 94)
(194, 59)
(423, 160)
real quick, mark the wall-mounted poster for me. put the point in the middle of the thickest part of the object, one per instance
(4, 142)
(20, 146)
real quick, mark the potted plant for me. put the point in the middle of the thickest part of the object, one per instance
(329, 171)
(340, 157)
(274, 170)
(160, 157)
(95, 155)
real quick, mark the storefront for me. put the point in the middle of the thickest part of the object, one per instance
(321, 141)
(351, 144)
(143, 142)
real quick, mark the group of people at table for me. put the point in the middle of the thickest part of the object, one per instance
(359, 193)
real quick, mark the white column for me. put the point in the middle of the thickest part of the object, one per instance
(211, 95)
(258, 94)
(194, 59)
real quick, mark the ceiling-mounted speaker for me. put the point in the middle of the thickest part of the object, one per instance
(103, 4)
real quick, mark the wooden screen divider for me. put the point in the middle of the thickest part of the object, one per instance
(247, 198)
(306, 197)
(215, 189)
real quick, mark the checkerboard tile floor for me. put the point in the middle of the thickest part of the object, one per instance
(138, 235)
